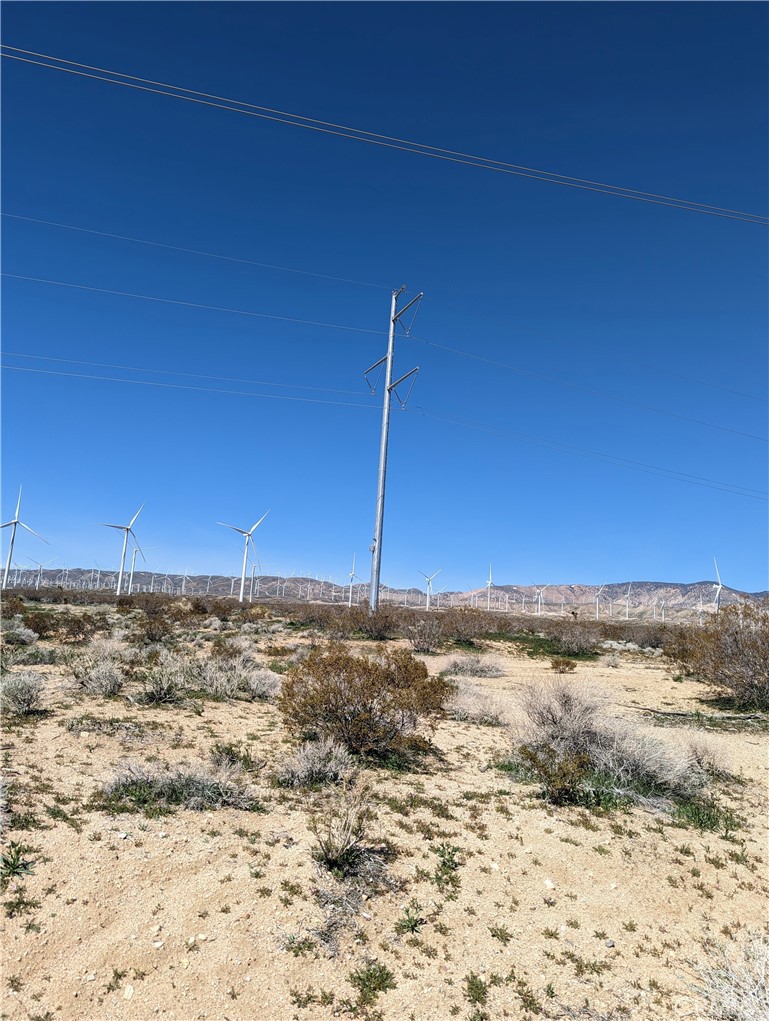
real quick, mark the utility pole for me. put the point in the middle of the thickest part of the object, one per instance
(389, 387)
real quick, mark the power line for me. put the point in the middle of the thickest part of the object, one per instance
(374, 138)
(445, 347)
(648, 469)
(194, 251)
(190, 375)
(587, 390)
(185, 386)
(639, 466)
(191, 304)
(157, 244)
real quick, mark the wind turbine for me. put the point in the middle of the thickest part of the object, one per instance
(16, 520)
(40, 571)
(429, 580)
(540, 590)
(597, 597)
(126, 530)
(248, 536)
(627, 601)
(717, 587)
(133, 563)
(489, 585)
(352, 576)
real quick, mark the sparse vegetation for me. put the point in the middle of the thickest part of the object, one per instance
(139, 789)
(733, 980)
(316, 762)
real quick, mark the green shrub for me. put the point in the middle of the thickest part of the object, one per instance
(368, 704)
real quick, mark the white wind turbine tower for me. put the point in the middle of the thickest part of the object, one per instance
(717, 587)
(352, 576)
(597, 597)
(248, 536)
(40, 568)
(540, 589)
(133, 564)
(429, 580)
(627, 601)
(489, 586)
(12, 524)
(126, 530)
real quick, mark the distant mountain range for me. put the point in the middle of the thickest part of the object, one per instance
(645, 600)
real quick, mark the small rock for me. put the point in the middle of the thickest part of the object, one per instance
(162, 834)
(158, 944)
(128, 992)
(90, 978)
(549, 884)
(202, 936)
(122, 836)
(610, 943)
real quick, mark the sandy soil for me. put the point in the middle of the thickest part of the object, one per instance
(214, 914)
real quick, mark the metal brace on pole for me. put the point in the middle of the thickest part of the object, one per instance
(389, 386)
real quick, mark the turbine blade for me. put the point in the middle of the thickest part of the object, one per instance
(18, 505)
(261, 519)
(131, 533)
(233, 527)
(136, 515)
(34, 533)
(717, 574)
(8, 524)
(119, 527)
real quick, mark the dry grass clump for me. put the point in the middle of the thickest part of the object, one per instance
(21, 693)
(734, 982)
(368, 704)
(568, 741)
(340, 833)
(316, 762)
(167, 678)
(468, 704)
(472, 666)
(138, 788)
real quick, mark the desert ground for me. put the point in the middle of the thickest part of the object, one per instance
(479, 899)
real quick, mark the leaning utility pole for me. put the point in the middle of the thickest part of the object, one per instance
(389, 387)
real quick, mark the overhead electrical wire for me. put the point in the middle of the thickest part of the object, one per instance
(186, 386)
(359, 329)
(192, 304)
(649, 469)
(248, 262)
(194, 251)
(176, 372)
(639, 466)
(372, 138)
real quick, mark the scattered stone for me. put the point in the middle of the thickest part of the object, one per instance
(549, 884)
(610, 943)
(90, 978)
(128, 992)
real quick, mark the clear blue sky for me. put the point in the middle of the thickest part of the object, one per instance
(652, 305)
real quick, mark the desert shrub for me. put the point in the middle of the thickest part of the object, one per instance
(426, 634)
(228, 755)
(316, 762)
(730, 653)
(154, 627)
(29, 655)
(138, 788)
(12, 606)
(15, 633)
(465, 626)
(167, 678)
(734, 981)
(612, 660)
(378, 626)
(80, 627)
(581, 754)
(21, 694)
(472, 666)
(99, 669)
(468, 704)
(576, 640)
(340, 832)
(563, 665)
(261, 684)
(367, 703)
(44, 623)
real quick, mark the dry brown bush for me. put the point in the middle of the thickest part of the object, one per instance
(731, 653)
(426, 634)
(379, 626)
(367, 703)
(466, 626)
